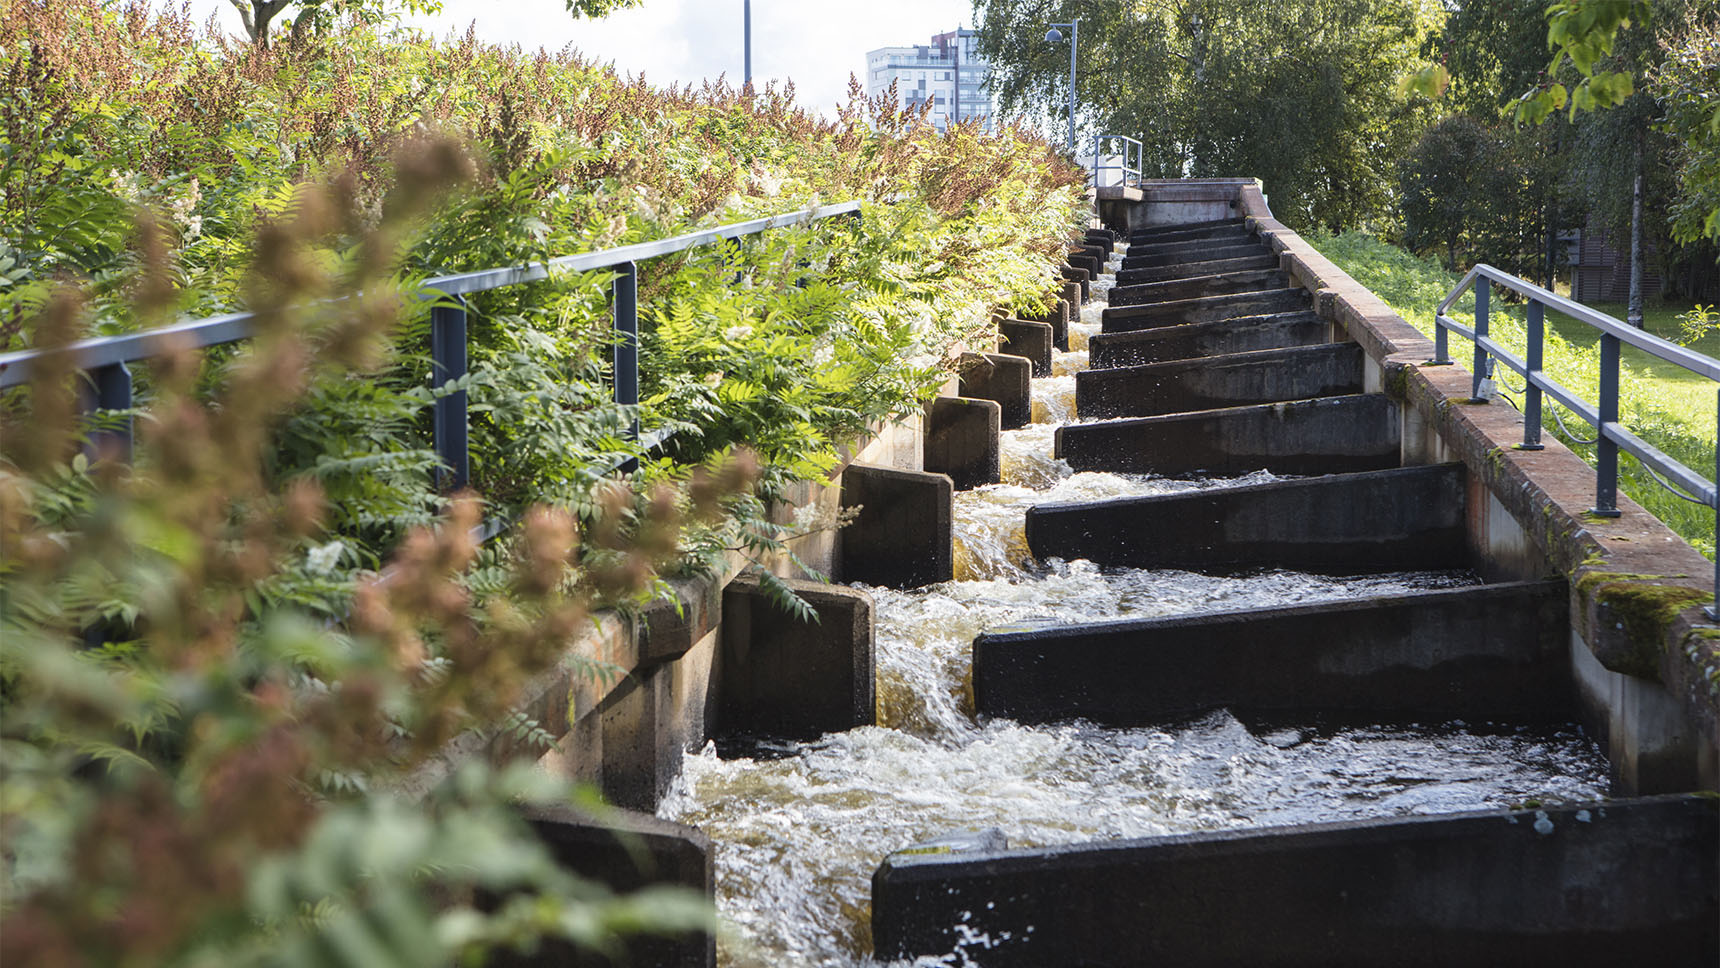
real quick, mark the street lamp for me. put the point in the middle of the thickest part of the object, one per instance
(1053, 36)
(746, 28)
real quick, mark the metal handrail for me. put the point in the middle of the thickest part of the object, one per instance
(1610, 435)
(1131, 149)
(104, 359)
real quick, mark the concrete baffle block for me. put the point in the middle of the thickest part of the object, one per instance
(1075, 295)
(1028, 339)
(1057, 317)
(1080, 279)
(624, 851)
(962, 440)
(1004, 378)
(901, 537)
(1598, 884)
(782, 675)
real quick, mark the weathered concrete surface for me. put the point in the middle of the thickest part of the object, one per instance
(1199, 230)
(1173, 202)
(624, 851)
(1405, 519)
(1242, 334)
(1660, 738)
(1619, 883)
(1184, 270)
(1104, 238)
(1205, 309)
(1080, 279)
(1028, 339)
(901, 535)
(1239, 379)
(1195, 287)
(783, 676)
(1193, 252)
(1325, 436)
(962, 440)
(1173, 243)
(1003, 378)
(1495, 652)
(1057, 317)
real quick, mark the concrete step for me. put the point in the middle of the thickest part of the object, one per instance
(1624, 882)
(962, 440)
(1195, 287)
(1105, 238)
(1490, 653)
(1180, 246)
(1057, 317)
(1184, 270)
(1211, 236)
(1205, 253)
(1204, 309)
(1326, 436)
(1148, 234)
(1098, 253)
(1405, 519)
(1235, 380)
(1239, 334)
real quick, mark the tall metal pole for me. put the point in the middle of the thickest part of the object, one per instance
(1074, 44)
(746, 15)
(956, 117)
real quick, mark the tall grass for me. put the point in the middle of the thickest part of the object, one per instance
(1661, 408)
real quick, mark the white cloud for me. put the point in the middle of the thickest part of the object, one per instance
(815, 43)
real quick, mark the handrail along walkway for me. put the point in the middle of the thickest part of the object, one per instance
(1610, 435)
(104, 359)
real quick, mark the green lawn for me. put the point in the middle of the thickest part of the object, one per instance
(1684, 392)
(1665, 405)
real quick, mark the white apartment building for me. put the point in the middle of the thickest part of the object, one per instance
(931, 72)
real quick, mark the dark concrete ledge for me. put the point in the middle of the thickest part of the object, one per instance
(1605, 884)
(1080, 278)
(1242, 334)
(901, 535)
(1325, 436)
(1205, 309)
(1181, 233)
(1187, 270)
(1194, 252)
(1406, 519)
(1497, 652)
(1171, 244)
(1239, 379)
(1195, 287)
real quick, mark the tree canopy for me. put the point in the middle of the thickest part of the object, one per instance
(1305, 96)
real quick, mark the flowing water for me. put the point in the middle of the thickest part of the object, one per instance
(800, 828)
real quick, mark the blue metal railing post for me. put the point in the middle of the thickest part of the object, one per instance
(1483, 294)
(625, 296)
(1713, 610)
(448, 362)
(112, 391)
(1606, 449)
(1532, 390)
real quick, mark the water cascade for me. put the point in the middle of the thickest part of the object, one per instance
(799, 828)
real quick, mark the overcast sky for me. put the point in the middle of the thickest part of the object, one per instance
(816, 43)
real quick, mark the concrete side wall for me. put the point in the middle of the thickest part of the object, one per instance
(1646, 580)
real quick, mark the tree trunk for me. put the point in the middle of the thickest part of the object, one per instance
(1634, 315)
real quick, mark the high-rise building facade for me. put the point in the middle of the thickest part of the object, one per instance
(948, 72)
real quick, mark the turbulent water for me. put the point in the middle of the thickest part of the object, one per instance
(799, 832)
